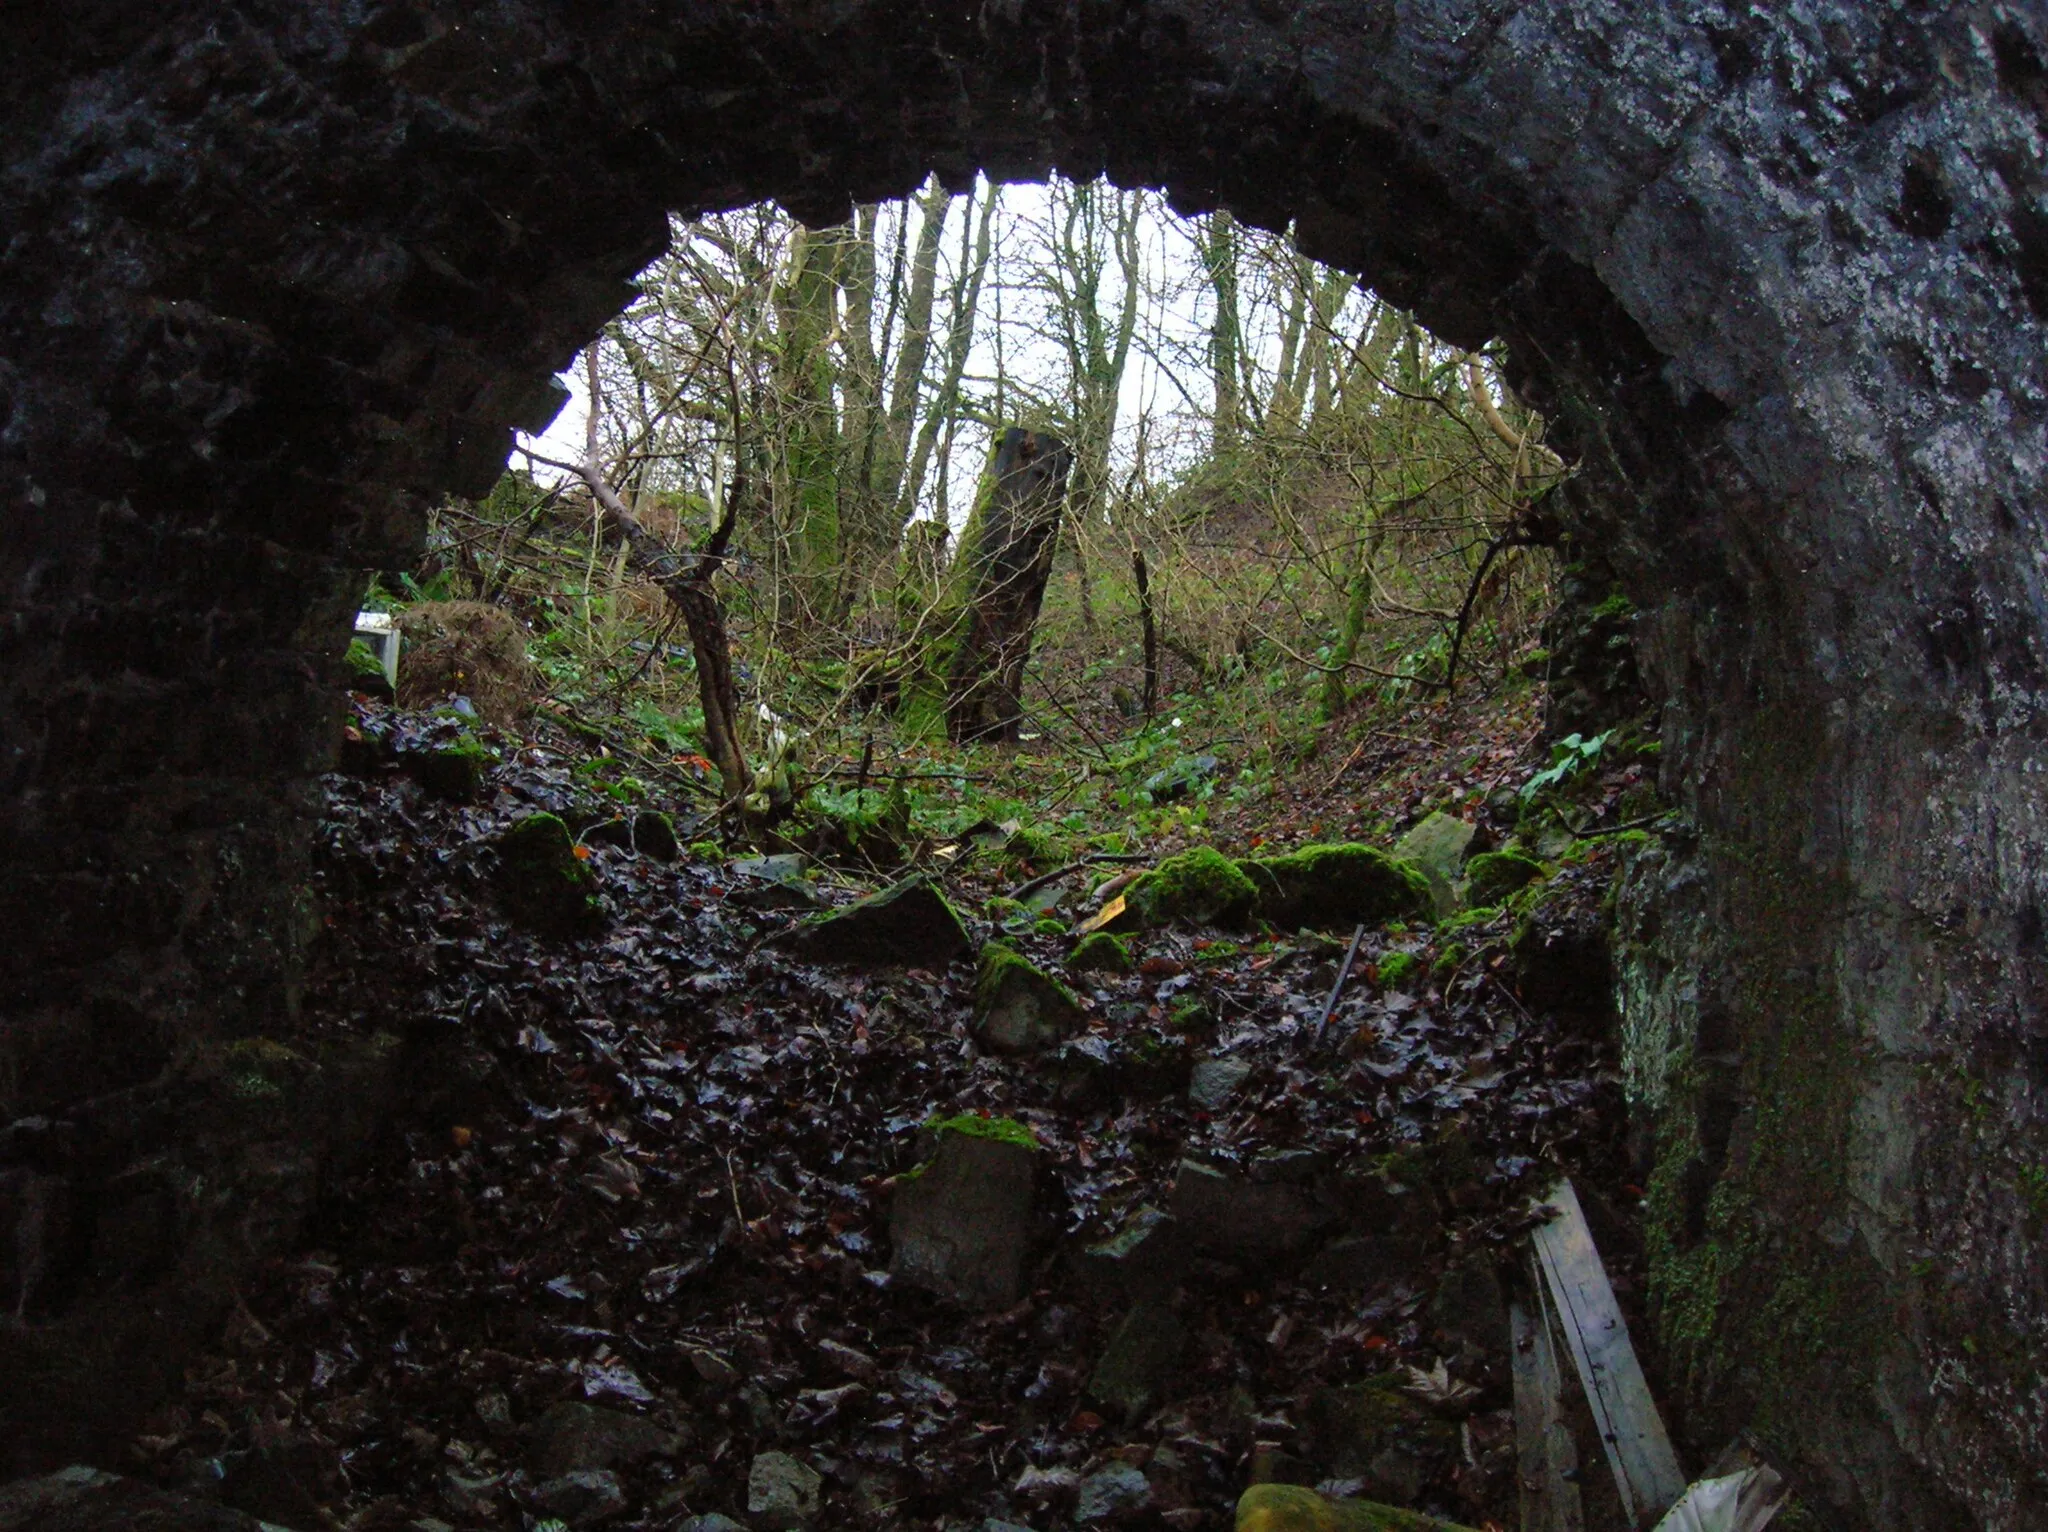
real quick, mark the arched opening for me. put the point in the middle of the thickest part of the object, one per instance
(276, 282)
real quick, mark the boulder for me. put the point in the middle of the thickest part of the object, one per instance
(1331, 887)
(573, 1437)
(712, 1521)
(89, 1500)
(1469, 1306)
(1018, 1007)
(1246, 1220)
(542, 881)
(1437, 849)
(1140, 1361)
(782, 1493)
(908, 922)
(961, 1223)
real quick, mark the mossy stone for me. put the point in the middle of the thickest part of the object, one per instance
(1202, 886)
(1437, 848)
(654, 834)
(453, 771)
(1005, 1130)
(1018, 1007)
(1337, 885)
(908, 922)
(543, 882)
(1492, 875)
(1100, 953)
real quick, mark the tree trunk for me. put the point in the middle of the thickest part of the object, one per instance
(1009, 550)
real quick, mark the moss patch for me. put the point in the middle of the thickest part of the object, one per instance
(1004, 1130)
(1398, 969)
(1337, 885)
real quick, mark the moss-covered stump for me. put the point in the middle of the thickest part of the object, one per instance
(908, 922)
(542, 881)
(1436, 848)
(1327, 887)
(1292, 1508)
(1492, 875)
(1100, 953)
(961, 1222)
(1018, 1006)
(1202, 886)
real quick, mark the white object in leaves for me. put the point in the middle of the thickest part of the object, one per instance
(1736, 1502)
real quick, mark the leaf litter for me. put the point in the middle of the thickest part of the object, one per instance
(650, 1171)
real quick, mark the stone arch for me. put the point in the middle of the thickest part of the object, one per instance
(271, 277)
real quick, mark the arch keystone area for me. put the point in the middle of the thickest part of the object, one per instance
(274, 277)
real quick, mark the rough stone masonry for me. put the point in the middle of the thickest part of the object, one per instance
(274, 275)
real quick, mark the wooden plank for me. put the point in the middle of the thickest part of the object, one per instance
(1645, 1468)
(1546, 1457)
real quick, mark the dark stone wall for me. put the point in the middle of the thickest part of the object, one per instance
(272, 275)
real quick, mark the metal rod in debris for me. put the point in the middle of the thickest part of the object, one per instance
(1330, 1005)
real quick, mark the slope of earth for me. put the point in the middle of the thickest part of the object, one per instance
(649, 1172)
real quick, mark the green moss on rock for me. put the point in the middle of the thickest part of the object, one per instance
(1398, 969)
(654, 834)
(542, 881)
(1492, 875)
(1004, 1130)
(1100, 953)
(1337, 885)
(1018, 1006)
(908, 922)
(1203, 886)
(454, 771)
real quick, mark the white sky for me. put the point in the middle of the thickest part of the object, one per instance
(1173, 323)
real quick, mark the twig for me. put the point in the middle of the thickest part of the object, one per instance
(1033, 885)
(1343, 973)
(1589, 832)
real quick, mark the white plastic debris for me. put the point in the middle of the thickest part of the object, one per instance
(1736, 1502)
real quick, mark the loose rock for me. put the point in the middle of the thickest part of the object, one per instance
(1215, 1081)
(782, 1494)
(582, 1499)
(962, 1224)
(543, 882)
(1140, 1362)
(1245, 1220)
(573, 1437)
(1330, 887)
(1018, 1007)
(1111, 1493)
(909, 923)
(1437, 848)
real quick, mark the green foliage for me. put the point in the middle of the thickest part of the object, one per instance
(1569, 757)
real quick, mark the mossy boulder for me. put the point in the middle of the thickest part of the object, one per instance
(908, 922)
(543, 882)
(1100, 953)
(1329, 887)
(1201, 886)
(1018, 1007)
(1492, 875)
(1375, 1431)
